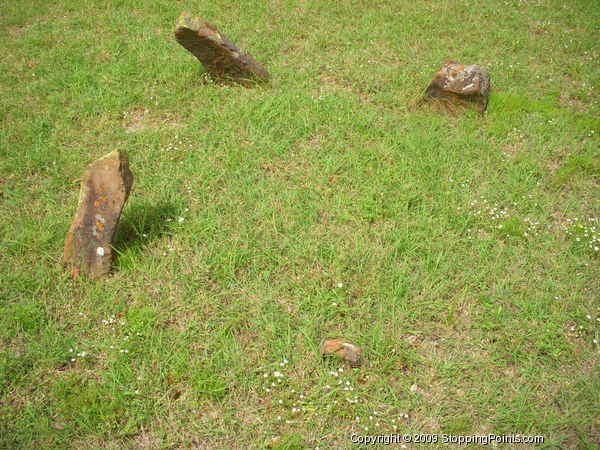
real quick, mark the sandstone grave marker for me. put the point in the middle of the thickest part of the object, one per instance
(221, 58)
(104, 190)
(457, 84)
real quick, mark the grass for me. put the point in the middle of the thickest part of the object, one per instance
(459, 251)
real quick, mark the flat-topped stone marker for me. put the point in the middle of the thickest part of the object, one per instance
(221, 58)
(104, 190)
(461, 85)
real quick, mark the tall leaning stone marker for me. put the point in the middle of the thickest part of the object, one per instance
(104, 190)
(461, 85)
(221, 58)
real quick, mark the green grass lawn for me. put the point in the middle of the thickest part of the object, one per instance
(459, 251)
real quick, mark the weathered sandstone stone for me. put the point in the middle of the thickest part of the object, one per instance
(104, 190)
(221, 58)
(348, 351)
(459, 84)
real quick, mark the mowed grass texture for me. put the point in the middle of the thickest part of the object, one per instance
(459, 251)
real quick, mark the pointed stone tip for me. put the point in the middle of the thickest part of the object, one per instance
(186, 20)
(115, 154)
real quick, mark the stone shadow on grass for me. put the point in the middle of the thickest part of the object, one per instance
(141, 223)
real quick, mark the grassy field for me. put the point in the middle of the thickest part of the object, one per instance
(460, 251)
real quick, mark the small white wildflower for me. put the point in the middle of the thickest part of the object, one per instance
(180, 219)
(340, 285)
(100, 251)
(72, 359)
(277, 374)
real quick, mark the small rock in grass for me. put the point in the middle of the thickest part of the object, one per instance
(462, 85)
(348, 351)
(221, 58)
(104, 190)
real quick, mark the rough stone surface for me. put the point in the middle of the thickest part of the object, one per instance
(221, 58)
(104, 190)
(459, 84)
(348, 351)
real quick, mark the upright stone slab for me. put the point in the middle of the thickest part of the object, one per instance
(463, 85)
(221, 58)
(104, 190)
